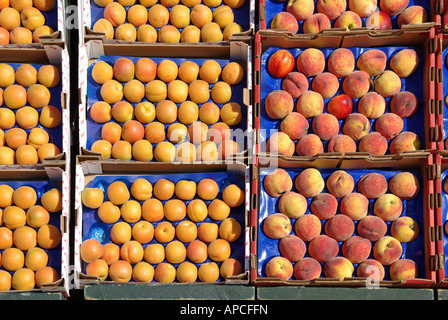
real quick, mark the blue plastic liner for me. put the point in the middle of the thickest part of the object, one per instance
(242, 15)
(54, 133)
(268, 248)
(93, 95)
(93, 227)
(272, 7)
(413, 83)
(42, 186)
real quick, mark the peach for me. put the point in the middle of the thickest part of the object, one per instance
(324, 206)
(372, 105)
(115, 13)
(405, 229)
(404, 104)
(280, 63)
(323, 248)
(309, 145)
(356, 84)
(387, 250)
(292, 248)
(332, 9)
(348, 20)
(208, 231)
(374, 143)
(230, 267)
(104, 26)
(393, 8)
(292, 204)
(300, 9)
(372, 269)
(363, 8)
(356, 249)
(340, 227)
(325, 83)
(281, 143)
(307, 268)
(199, 91)
(316, 23)
(208, 272)
(278, 104)
(340, 106)
(405, 62)
(310, 104)
(201, 15)
(168, 34)
(294, 125)
(165, 273)
(338, 268)
(404, 141)
(372, 185)
(230, 229)
(309, 182)
(379, 20)
(387, 83)
(158, 15)
(403, 269)
(326, 126)
(285, 21)
(175, 252)
(310, 62)
(356, 126)
(388, 207)
(372, 61)
(405, 185)
(341, 62)
(277, 226)
(295, 83)
(340, 183)
(186, 272)
(186, 231)
(307, 227)
(154, 253)
(190, 34)
(197, 251)
(277, 182)
(412, 15)
(279, 267)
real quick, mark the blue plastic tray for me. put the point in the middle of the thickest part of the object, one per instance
(93, 227)
(412, 83)
(93, 95)
(268, 248)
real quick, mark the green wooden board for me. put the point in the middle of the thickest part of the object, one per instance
(32, 296)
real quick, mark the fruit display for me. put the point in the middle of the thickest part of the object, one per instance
(342, 100)
(30, 113)
(309, 16)
(319, 223)
(166, 109)
(23, 21)
(30, 234)
(170, 21)
(163, 228)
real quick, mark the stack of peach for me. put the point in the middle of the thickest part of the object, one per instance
(27, 237)
(170, 231)
(325, 14)
(337, 231)
(184, 110)
(22, 21)
(350, 103)
(26, 115)
(170, 21)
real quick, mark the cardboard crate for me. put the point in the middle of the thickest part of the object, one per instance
(236, 51)
(53, 52)
(269, 8)
(441, 91)
(101, 173)
(42, 180)
(420, 208)
(421, 39)
(89, 13)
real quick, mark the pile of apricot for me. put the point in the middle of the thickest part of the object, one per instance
(27, 238)
(168, 21)
(23, 21)
(165, 231)
(26, 113)
(166, 111)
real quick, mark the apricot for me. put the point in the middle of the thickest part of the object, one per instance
(23, 279)
(38, 95)
(197, 251)
(190, 34)
(15, 137)
(165, 151)
(186, 272)
(111, 253)
(207, 189)
(165, 273)
(131, 251)
(158, 15)
(131, 211)
(9, 18)
(98, 268)
(174, 210)
(186, 231)
(7, 155)
(6, 193)
(26, 154)
(50, 117)
(42, 30)
(146, 33)
(121, 150)
(154, 253)
(201, 15)
(143, 272)
(164, 232)
(111, 132)
(188, 71)
(134, 91)
(15, 96)
(219, 250)
(208, 231)
(36, 258)
(175, 252)
(207, 151)
(104, 26)
(115, 13)
(31, 18)
(44, 5)
(24, 197)
(180, 16)
(230, 229)
(168, 34)
(21, 35)
(90, 250)
(188, 112)
(4, 36)
(6, 240)
(120, 232)
(108, 212)
(26, 75)
(5, 280)
(111, 91)
(13, 259)
(120, 271)
(118, 192)
(208, 272)
(221, 92)
(7, 118)
(137, 15)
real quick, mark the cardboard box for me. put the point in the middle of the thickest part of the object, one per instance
(55, 53)
(234, 51)
(421, 209)
(269, 8)
(43, 179)
(89, 13)
(422, 39)
(96, 173)
(441, 90)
